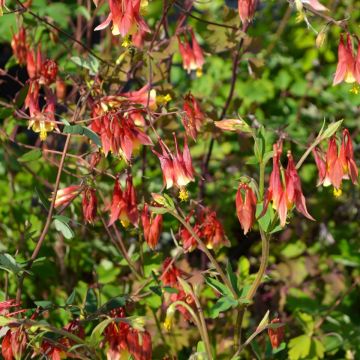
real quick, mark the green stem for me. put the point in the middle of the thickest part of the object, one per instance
(206, 251)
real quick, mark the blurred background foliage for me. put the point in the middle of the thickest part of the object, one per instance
(285, 83)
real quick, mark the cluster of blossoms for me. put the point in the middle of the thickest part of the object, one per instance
(348, 67)
(207, 227)
(336, 165)
(123, 340)
(16, 338)
(192, 116)
(42, 73)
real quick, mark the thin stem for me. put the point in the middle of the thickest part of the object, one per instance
(207, 252)
(48, 220)
(308, 151)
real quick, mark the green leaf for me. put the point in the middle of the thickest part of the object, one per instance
(331, 129)
(332, 342)
(43, 304)
(307, 322)
(32, 155)
(223, 304)
(96, 334)
(82, 130)
(244, 267)
(299, 347)
(64, 229)
(218, 286)
(70, 300)
(170, 290)
(9, 264)
(91, 63)
(232, 277)
(317, 349)
(114, 303)
(90, 301)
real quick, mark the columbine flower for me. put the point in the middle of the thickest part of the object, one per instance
(48, 72)
(245, 207)
(118, 133)
(177, 168)
(142, 97)
(152, 227)
(247, 10)
(336, 165)
(348, 67)
(89, 204)
(14, 343)
(192, 55)
(276, 335)
(192, 117)
(139, 344)
(125, 16)
(67, 195)
(124, 204)
(43, 121)
(285, 194)
(19, 46)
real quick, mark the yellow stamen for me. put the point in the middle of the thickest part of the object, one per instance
(43, 134)
(355, 89)
(126, 42)
(163, 100)
(125, 223)
(183, 194)
(199, 72)
(337, 192)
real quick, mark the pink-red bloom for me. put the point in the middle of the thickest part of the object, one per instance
(118, 132)
(337, 164)
(192, 54)
(144, 96)
(315, 4)
(245, 206)
(89, 204)
(247, 10)
(67, 195)
(125, 17)
(177, 168)
(192, 117)
(285, 194)
(19, 46)
(152, 226)
(348, 67)
(277, 334)
(124, 204)
(13, 344)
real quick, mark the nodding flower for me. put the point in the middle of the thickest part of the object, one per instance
(19, 46)
(89, 204)
(152, 226)
(348, 67)
(125, 17)
(245, 206)
(177, 168)
(277, 334)
(192, 117)
(66, 195)
(192, 54)
(124, 204)
(247, 10)
(285, 191)
(336, 165)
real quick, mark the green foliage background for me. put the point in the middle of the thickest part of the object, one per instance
(284, 83)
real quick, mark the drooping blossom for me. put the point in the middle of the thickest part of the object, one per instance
(123, 340)
(41, 121)
(285, 194)
(14, 343)
(125, 17)
(89, 204)
(171, 274)
(192, 54)
(245, 206)
(348, 67)
(207, 227)
(67, 195)
(192, 117)
(144, 96)
(19, 46)
(247, 10)
(336, 164)
(177, 168)
(277, 334)
(152, 226)
(315, 4)
(44, 71)
(124, 204)
(118, 132)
